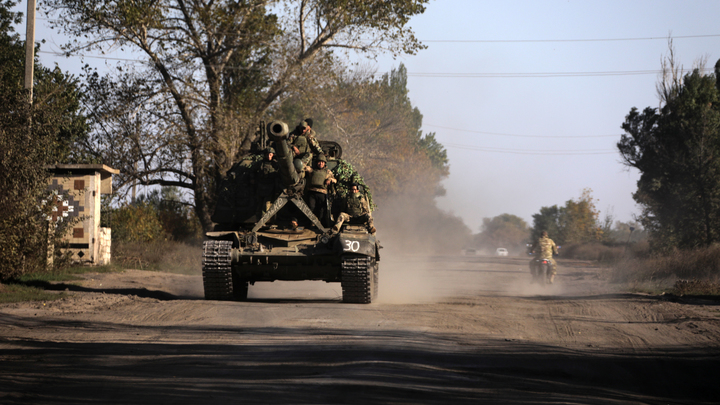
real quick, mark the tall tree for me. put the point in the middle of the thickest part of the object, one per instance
(677, 151)
(31, 137)
(214, 69)
(506, 230)
(575, 222)
(378, 128)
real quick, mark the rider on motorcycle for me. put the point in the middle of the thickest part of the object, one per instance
(545, 247)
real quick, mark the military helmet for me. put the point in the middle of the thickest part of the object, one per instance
(269, 149)
(322, 158)
(303, 124)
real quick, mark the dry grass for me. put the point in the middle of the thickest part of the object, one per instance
(168, 256)
(688, 272)
(593, 251)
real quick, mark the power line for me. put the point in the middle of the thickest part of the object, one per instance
(566, 40)
(438, 74)
(523, 136)
(578, 152)
(541, 74)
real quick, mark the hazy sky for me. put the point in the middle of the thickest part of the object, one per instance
(492, 174)
(528, 96)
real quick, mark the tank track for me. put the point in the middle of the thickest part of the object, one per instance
(217, 270)
(358, 279)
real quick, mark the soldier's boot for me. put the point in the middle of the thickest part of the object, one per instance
(372, 230)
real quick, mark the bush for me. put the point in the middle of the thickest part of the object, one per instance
(136, 223)
(702, 264)
(593, 251)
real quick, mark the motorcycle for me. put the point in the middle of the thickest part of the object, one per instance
(541, 270)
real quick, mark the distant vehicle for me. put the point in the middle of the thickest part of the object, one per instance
(470, 252)
(501, 252)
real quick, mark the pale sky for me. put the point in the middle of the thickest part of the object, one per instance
(490, 81)
(466, 111)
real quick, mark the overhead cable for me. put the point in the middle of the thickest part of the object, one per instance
(522, 136)
(579, 152)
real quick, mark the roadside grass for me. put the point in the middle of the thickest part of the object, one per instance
(693, 272)
(32, 287)
(165, 256)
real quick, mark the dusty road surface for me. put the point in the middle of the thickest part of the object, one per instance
(446, 330)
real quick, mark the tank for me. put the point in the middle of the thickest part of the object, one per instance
(248, 245)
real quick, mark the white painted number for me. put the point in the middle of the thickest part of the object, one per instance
(352, 245)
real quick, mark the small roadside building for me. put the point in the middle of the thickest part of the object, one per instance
(77, 189)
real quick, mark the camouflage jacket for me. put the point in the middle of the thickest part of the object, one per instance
(356, 205)
(545, 247)
(314, 144)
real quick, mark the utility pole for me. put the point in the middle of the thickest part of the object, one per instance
(30, 48)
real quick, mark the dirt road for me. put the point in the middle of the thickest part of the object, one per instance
(445, 330)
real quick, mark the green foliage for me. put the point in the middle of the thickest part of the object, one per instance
(576, 222)
(176, 216)
(136, 223)
(506, 230)
(31, 137)
(677, 151)
(345, 175)
(157, 216)
(215, 69)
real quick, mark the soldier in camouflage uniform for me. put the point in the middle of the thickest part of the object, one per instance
(267, 180)
(304, 145)
(356, 210)
(318, 180)
(545, 248)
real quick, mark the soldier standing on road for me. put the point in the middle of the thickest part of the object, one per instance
(320, 178)
(266, 181)
(356, 210)
(545, 247)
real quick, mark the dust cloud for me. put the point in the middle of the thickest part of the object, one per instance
(422, 258)
(414, 233)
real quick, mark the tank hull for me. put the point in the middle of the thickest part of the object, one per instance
(349, 258)
(267, 232)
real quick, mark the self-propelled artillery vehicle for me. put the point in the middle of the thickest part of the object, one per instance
(287, 241)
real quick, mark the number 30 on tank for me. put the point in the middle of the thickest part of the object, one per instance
(352, 245)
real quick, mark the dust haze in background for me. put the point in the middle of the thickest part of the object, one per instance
(422, 258)
(413, 232)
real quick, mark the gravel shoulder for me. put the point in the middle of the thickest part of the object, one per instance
(445, 330)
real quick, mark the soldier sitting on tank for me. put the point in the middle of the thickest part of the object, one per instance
(304, 146)
(267, 181)
(318, 181)
(356, 210)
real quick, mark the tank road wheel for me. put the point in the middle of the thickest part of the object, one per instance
(358, 279)
(217, 270)
(376, 275)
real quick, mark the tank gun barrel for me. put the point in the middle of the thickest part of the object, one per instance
(278, 133)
